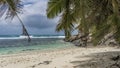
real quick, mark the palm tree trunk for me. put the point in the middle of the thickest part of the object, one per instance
(83, 20)
(12, 9)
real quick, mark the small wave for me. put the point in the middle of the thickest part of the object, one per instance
(49, 37)
(9, 38)
(23, 37)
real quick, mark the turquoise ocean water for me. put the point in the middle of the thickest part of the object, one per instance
(16, 44)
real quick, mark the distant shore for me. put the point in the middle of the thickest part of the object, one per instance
(77, 57)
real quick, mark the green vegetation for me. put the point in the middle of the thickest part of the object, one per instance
(95, 17)
(11, 8)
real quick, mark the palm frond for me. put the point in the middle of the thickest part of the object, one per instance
(12, 8)
(7, 5)
(55, 7)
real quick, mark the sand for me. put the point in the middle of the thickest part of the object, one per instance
(78, 57)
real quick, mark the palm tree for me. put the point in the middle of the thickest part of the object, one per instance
(12, 7)
(62, 8)
(71, 11)
(105, 19)
(96, 17)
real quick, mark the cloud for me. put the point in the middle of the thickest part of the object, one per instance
(7, 28)
(39, 22)
(35, 19)
(35, 7)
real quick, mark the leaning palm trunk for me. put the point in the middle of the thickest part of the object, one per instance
(83, 22)
(12, 7)
(24, 28)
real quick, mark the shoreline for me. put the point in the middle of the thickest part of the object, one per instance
(60, 58)
(29, 52)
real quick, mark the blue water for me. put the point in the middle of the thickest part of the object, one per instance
(16, 45)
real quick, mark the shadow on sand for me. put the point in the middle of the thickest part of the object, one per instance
(96, 60)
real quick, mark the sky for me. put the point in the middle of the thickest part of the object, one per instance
(34, 18)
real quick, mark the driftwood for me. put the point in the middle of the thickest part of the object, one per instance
(83, 40)
(108, 40)
(79, 40)
(77, 37)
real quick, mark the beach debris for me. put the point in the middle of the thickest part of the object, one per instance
(45, 62)
(39, 63)
(33, 66)
(28, 50)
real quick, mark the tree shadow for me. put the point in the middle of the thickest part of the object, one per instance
(96, 60)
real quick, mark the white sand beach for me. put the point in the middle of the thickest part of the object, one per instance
(91, 57)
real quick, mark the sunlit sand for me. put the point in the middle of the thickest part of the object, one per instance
(92, 57)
